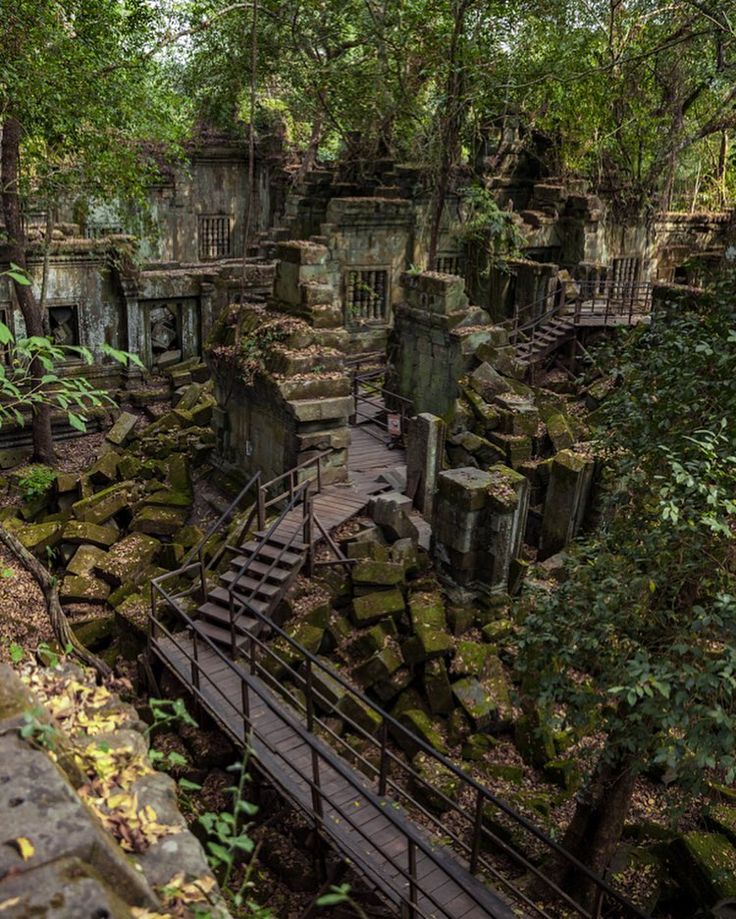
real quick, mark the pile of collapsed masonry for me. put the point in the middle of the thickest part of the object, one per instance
(106, 532)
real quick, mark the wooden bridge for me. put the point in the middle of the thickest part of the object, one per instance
(361, 794)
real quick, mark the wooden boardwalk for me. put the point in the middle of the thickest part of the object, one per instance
(372, 832)
(369, 457)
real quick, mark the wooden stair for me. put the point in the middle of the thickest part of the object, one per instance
(260, 573)
(546, 339)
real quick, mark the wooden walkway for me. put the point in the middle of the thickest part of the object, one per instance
(369, 458)
(373, 833)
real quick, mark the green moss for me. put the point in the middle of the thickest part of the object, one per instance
(707, 864)
(374, 606)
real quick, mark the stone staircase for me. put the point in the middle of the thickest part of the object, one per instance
(260, 573)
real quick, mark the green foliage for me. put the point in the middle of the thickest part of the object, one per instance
(23, 389)
(36, 729)
(485, 222)
(34, 481)
(647, 612)
(229, 843)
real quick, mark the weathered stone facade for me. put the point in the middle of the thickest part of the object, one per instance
(282, 393)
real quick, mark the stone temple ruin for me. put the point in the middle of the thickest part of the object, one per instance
(318, 366)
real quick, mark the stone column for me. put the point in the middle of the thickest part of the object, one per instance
(424, 448)
(570, 479)
(479, 523)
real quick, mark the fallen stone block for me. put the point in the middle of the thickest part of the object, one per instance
(79, 532)
(372, 607)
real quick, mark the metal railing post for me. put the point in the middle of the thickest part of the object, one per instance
(383, 764)
(412, 879)
(261, 506)
(195, 661)
(477, 832)
(245, 701)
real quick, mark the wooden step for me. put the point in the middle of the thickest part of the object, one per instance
(220, 615)
(248, 586)
(271, 552)
(278, 542)
(221, 596)
(219, 635)
(263, 569)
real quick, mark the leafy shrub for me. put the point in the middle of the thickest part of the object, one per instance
(34, 481)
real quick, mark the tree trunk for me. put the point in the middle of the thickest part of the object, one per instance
(49, 585)
(596, 826)
(450, 130)
(43, 442)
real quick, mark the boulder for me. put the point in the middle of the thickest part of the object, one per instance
(487, 703)
(88, 589)
(374, 606)
(158, 521)
(706, 864)
(122, 431)
(79, 532)
(84, 560)
(436, 786)
(354, 709)
(128, 560)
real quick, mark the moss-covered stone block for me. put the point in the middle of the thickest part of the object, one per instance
(128, 560)
(497, 631)
(158, 521)
(429, 623)
(436, 786)
(460, 619)
(560, 432)
(378, 574)
(308, 636)
(437, 687)
(84, 560)
(375, 638)
(76, 589)
(374, 606)
(507, 772)
(99, 508)
(534, 739)
(563, 772)
(355, 710)
(477, 746)
(706, 864)
(419, 724)
(80, 532)
(472, 659)
(36, 537)
(94, 632)
(380, 666)
(486, 702)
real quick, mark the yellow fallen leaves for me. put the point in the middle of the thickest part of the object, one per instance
(179, 895)
(73, 704)
(135, 828)
(25, 847)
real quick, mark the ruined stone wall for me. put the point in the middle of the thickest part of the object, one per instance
(283, 396)
(435, 336)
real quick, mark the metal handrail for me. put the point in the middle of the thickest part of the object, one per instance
(195, 550)
(482, 794)
(414, 838)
